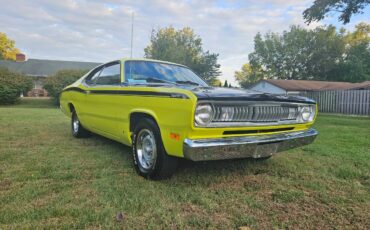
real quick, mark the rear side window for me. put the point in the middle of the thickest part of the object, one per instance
(91, 79)
(110, 75)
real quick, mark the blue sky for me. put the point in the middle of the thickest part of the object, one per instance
(99, 30)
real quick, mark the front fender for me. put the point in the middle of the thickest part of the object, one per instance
(173, 117)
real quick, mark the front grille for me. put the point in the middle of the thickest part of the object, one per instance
(254, 113)
(236, 132)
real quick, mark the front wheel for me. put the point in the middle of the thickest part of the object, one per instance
(150, 158)
(262, 159)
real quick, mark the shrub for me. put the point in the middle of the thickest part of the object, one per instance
(12, 85)
(55, 83)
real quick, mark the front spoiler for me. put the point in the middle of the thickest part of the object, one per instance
(246, 146)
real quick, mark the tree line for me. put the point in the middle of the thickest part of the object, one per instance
(324, 53)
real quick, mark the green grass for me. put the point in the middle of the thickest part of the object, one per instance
(48, 179)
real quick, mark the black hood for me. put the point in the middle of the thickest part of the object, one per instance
(229, 94)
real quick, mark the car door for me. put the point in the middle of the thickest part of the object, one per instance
(84, 107)
(102, 100)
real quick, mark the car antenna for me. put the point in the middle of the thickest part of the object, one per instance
(132, 39)
(132, 32)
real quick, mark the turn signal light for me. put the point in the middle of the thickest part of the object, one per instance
(175, 136)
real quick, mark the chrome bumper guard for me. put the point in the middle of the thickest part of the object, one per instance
(247, 146)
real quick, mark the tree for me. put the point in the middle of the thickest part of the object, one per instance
(55, 84)
(12, 85)
(299, 53)
(355, 65)
(360, 35)
(321, 8)
(8, 50)
(217, 83)
(183, 47)
(247, 76)
(226, 84)
(302, 54)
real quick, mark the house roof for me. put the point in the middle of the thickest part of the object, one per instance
(305, 85)
(362, 85)
(39, 67)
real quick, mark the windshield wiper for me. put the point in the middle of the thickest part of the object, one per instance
(187, 82)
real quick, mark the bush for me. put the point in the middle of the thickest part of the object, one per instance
(55, 84)
(12, 85)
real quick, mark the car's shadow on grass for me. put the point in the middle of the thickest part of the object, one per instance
(187, 168)
(229, 167)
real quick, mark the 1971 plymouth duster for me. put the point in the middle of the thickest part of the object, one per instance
(166, 112)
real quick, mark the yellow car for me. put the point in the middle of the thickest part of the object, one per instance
(166, 112)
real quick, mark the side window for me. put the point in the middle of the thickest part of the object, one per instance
(110, 75)
(91, 79)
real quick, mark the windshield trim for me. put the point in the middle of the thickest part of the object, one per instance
(163, 63)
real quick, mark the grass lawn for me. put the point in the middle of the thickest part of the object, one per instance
(48, 179)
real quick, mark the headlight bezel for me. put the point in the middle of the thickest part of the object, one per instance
(309, 111)
(202, 121)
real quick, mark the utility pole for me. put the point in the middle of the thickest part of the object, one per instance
(132, 32)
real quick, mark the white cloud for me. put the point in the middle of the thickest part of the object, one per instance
(100, 30)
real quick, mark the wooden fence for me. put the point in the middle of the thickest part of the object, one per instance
(356, 102)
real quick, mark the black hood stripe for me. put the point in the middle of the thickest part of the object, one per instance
(221, 94)
(231, 99)
(128, 93)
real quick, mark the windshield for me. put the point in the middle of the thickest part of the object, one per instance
(141, 72)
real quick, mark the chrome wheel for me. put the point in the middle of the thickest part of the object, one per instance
(146, 149)
(77, 128)
(75, 124)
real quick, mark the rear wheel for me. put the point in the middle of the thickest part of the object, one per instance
(150, 158)
(262, 159)
(78, 130)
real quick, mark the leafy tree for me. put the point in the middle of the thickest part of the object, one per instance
(298, 53)
(247, 76)
(217, 83)
(226, 84)
(346, 8)
(355, 65)
(12, 85)
(360, 35)
(183, 47)
(302, 54)
(55, 84)
(8, 50)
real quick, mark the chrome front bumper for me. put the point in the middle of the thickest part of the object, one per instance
(247, 146)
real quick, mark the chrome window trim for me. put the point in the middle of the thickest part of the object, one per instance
(99, 69)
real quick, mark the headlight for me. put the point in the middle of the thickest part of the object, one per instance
(203, 114)
(307, 113)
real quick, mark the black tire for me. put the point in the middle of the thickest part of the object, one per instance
(78, 130)
(162, 165)
(261, 159)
